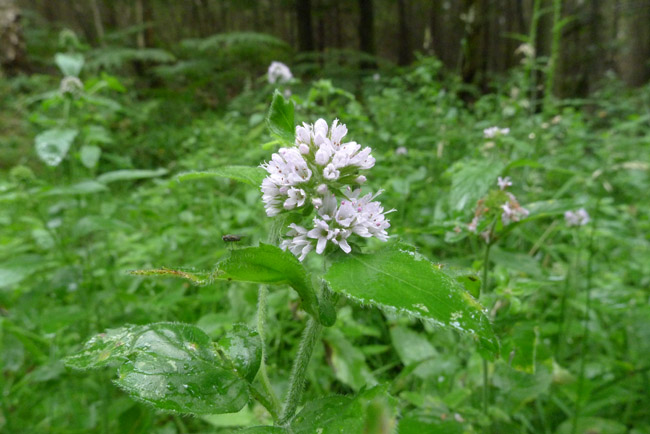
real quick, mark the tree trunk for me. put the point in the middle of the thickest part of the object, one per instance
(12, 44)
(366, 31)
(404, 55)
(305, 32)
(634, 37)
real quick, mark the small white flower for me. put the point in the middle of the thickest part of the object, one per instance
(490, 133)
(578, 218)
(279, 73)
(401, 150)
(473, 224)
(321, 233)
(504, 182)
(331, 173)
(361, 179)
(296, 197)
(512, 211)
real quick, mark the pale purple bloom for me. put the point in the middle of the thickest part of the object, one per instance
(577, 218)
(504, 182)
(313, 172)
(279, 73)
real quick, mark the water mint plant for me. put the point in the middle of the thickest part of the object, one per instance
(312, 190)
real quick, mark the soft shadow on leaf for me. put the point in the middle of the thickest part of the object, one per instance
(170, 366)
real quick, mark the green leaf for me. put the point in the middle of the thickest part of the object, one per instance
(398, 279)
(269, 264)
(170, 366)
(244, 349)
(89, 155)
(128, 175)
(471, 180)
(348, 361)
(411, 347)
(592, 425)
(69, 63)
(263, 430)
(83, 187)
(53, 145)
(280, 118)
(19, 267)
(346, 414)
(246, 174)
(424, 422)
(108, 348)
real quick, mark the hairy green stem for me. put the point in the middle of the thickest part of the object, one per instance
(299, 369)
(261, 331)
(272, 403)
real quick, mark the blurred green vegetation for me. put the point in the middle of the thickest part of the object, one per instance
(70, 232)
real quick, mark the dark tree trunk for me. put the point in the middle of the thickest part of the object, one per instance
(305, 32)
(475, 55)
(367, 31)
(634, 39)
(404, 55)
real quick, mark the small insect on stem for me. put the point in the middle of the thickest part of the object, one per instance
(231, 239)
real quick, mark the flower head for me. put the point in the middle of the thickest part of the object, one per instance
(490, 133)
(504, 183)
(322, 171)
(279, 73)
(577, 218)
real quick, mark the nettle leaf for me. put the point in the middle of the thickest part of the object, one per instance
(471, 180)
(346, 414)
(108, 348)
(243, 348)
(53, 145)
(170, 366)
(89, 155)
(398, 279)
(248, 175)
(69, 63)
(280, 119)
(269, 264)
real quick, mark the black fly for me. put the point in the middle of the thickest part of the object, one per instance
(230, 238)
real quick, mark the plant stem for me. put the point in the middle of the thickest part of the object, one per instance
(261, 330)
(486, 380)
(297, 379)
(559, 346)
(262, 295)
(585, 338)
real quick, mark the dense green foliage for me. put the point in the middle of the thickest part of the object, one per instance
(568, 305)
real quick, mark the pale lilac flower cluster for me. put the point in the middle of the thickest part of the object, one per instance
(492, 132)
(577, 218)
(512, 211)
(279, 73)
(71, 85)
(318, 171)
